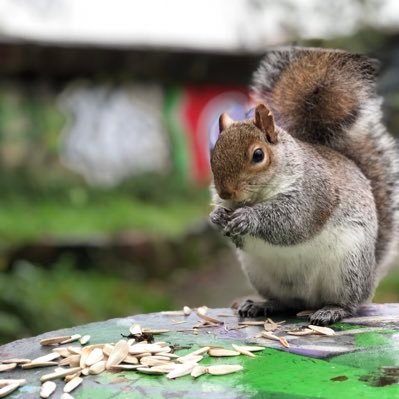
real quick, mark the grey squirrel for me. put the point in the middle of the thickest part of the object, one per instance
(308, 190)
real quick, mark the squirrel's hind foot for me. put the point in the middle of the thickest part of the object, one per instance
(259, 309)
(328, 315)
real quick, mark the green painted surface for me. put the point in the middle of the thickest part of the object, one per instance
(356, 373)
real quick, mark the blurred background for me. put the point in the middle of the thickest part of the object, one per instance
(105, 111)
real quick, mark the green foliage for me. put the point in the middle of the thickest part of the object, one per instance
(35, 300)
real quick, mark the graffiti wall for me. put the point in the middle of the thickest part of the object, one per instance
(107, 133)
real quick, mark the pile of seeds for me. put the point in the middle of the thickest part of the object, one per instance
(73, 362)
(140, 353)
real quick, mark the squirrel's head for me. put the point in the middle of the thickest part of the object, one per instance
(242, 160)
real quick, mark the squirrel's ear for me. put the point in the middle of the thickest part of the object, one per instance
(265, 122)
(224, 121)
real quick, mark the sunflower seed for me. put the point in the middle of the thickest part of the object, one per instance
(16, 360)
(70, 377)
(201, 312)
(140, 348)
(216, 352)
(84, 340)
(38, 364)
(251, 323)
(72, 361)
(322, 330)
(150, 371)
(66, 396)
(97, 368)
(71, 385)
(199, 351)
(198, 370)
(269, 335)
(126, 366)
(252, 348)
(181, 370)
(8, 381)
(222, 369)
(190, 358)
(84, 355)
(135, 329)
(47, 389)
(131, 359)
(165, 368)
(76, 350)
(95, 356)
(270, 325)
(5, 367)
(46, 358)
(300, 332)
(54, 340)
(59, 374)
(107, 349)
(72, 338)
(284, 342)
(243, 351)
(8, 389)
(64, 352)
(119, 353)
(149, 361)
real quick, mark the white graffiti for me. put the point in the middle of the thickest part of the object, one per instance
(114, 132)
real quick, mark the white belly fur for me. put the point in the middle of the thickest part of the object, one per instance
(311, 271)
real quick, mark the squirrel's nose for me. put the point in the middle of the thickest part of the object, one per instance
(225, 195)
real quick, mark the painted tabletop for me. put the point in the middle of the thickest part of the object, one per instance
(360, 361)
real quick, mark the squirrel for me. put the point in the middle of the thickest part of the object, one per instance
(308, 190)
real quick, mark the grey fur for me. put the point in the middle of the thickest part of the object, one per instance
(323, 228)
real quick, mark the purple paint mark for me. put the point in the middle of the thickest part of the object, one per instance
(386, 309)
(237, 113)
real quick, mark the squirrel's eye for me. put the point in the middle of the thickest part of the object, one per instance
(258, 156)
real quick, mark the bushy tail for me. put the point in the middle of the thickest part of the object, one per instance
(329, 97)
(313, 93)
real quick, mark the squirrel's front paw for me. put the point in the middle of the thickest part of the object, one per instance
(219, 216)
(242, 221)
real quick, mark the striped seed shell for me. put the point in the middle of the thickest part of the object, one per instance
(8, 381)
(84, 340)
(119, 353)
(6, 367)
(242, 350)
(190, 358)
(97, 368)
(221, 352)
(107, 349)
(71, 385)
(322, 330)
(181, 370)
(47, 389)
(135, 329)
(38, 364)
(6, 390)
(95, 356)
(59, 374)
(198, 370)
(47, 358)
(16, 360)
(54, 340)
(222, 369)
(72, 338)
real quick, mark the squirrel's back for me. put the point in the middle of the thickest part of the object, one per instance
(329, 97)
